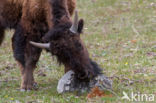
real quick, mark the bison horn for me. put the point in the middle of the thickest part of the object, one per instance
(74, 27)
(41, 45)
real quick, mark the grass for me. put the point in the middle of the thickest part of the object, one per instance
(120, 37)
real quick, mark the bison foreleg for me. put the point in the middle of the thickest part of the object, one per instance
(27, 57)
(32, 55)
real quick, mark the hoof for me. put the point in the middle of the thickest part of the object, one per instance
(33, 87)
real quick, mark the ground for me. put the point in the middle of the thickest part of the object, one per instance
(120, 36)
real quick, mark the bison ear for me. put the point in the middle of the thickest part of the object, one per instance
(80, 26)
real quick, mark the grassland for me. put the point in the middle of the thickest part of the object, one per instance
(120, 36)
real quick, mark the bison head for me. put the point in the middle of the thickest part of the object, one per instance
(65, 43)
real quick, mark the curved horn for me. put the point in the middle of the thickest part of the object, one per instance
(74, 27)
(40, 45)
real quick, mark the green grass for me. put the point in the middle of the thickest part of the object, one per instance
(120, 36)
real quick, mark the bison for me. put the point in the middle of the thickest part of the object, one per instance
(46, 24)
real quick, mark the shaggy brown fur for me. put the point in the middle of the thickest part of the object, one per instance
(31, 19)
